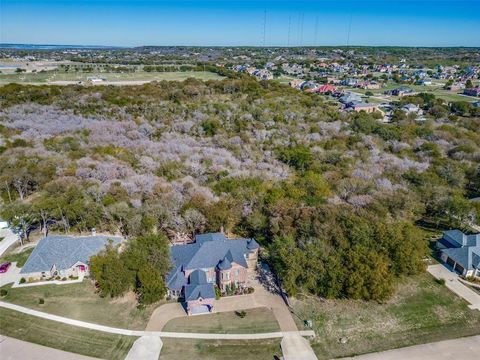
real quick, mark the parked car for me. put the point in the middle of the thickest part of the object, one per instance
(4, 267)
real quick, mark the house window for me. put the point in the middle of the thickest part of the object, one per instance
(237, 271)
(226, 276)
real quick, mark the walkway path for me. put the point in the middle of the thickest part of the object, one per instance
(440, 271)
(464, 348)
(13, 349)
(127, 332)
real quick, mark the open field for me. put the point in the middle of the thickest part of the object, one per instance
(256, 321)
(20, 257)
(79, 301)
(64, 337)
(75, 77)
(421, 311)
(187, 349)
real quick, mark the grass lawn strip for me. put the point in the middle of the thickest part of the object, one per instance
(188, 349)
(422, 311)
(20, 258)
(259, 320)
(64, 337)
(79, 301)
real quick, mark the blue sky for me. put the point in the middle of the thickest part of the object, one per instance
(133, 23)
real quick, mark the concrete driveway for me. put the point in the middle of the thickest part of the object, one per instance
(9, 238)
(464, 348)
(11, 275)
(441, 271)
(295, 347)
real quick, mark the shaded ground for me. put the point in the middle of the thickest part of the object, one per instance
(187, 349)
(79, 301)
(422, 311)
(256, 321)
(64, 337)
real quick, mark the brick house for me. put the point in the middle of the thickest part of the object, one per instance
(212, 260)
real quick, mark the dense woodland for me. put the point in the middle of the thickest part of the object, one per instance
(334, 198)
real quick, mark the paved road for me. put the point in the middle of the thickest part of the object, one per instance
(457, 349)
(440, 271)
(9, 239)
(179, 335)
(13, 349)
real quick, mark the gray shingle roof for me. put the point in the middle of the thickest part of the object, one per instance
(463, 249)
(64, 252)
(198, 287)
(207, 251)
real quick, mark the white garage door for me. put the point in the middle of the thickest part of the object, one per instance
(200, 309)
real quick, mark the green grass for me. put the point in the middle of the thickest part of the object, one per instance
(64, 337)
(256, 321)
(79, 301)
(52, 76)
(188, 349)
(421, 311)
(20, 258)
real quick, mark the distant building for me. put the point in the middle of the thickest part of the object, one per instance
(362, 106)
(327, 88)
(350, 97)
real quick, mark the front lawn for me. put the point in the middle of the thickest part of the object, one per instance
(79, 301)
(422, 311)
(256, 320)
(188, 349)
(64, 337)
(20, 258)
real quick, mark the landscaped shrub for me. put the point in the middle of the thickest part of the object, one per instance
(22, 280)
(41, 301)
(64, 279)
(218, 293)
(57, 277)
(250, 290)
(241, 314)
(440, 281)
(3, 292)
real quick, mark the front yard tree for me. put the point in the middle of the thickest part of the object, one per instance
(109, 270)
(150, 284)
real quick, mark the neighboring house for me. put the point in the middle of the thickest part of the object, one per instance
(350, 97)
(362, 106)
(64, 256)
(412, 109)
(211, 260)
(461, 252)
(326, 88)
(472, 92)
